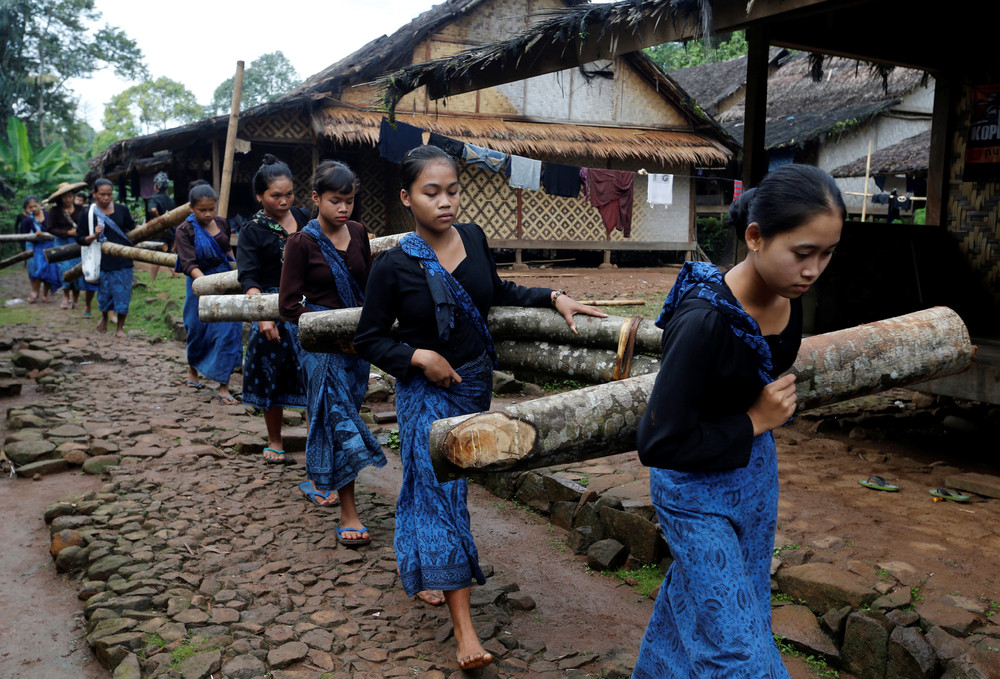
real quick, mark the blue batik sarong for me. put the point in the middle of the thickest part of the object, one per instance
(114, 291)
(339, 444)
(272, 372)
(38, 268)
(434, 544)
(213, 349)
(712, 617)
(79, 283)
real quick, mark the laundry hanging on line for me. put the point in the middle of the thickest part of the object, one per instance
(660, 189)
(393, 143)
(525, 173)
(610, 191)
(491, 160)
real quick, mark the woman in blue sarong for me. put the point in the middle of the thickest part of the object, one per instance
(706, 431)
(439, 283)
(44, 277)
(63, 218)
(326, 267)
(213, 349)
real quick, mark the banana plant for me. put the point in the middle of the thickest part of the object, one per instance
(25, 168)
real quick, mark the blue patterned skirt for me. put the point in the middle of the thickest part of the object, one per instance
(272, 373)
(339, 444)
(41, 270)
(434, 545)
(213, 349)
(79, 283)
(114, 291)
(712, 617)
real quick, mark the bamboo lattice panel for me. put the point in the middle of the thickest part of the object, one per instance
(289, 125)
(299, 159)
(369, 207)
(973, 207)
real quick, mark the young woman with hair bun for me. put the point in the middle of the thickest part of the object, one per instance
(706, 431)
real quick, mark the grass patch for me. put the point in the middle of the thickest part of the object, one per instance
(817, 666)
(393, 441)
(779, 550)
(643, 580)
(149, 316)
(564, 385)
(994, 606)
(781, 596)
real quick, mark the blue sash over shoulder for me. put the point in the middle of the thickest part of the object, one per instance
(108, 223)
(347, 288)
(447, 293)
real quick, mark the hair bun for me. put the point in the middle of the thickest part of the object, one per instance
(739, 211)
(269, 159)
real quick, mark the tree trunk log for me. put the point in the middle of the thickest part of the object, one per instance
(140, 233)
(152, 245)
(33, 237)
(14, 259)
(228, 283)
(60, 253)
(601, 420)
(139, 254)
(226, 308)
(562, 360)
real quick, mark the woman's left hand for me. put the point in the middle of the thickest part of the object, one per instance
(568, 306)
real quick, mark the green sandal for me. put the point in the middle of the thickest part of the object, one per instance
(948, 494)
(878, 483)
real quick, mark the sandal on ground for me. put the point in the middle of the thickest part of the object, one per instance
(195, 385)
(87, 314)
(227, 400)
(32, 299)
(948, 494)
(278, 460)
(357, 542)
(311, 492)
(64, 304)
(878, 483)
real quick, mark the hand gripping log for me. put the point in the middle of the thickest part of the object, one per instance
(228, 283)
(601, 420)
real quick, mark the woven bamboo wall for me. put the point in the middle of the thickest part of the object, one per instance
(973, 207)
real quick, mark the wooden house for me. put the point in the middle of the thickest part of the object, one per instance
(619, 113)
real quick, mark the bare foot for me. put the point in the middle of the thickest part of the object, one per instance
(434, 597)
(119, 334)
(102, 326)
(474, 657)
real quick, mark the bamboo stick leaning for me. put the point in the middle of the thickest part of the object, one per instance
(601, 420)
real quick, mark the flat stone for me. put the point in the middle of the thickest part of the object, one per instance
(865, 651)
(607, 554)
(26, 452)
(224, 616)
(42, 468)
(67, 431)
(374, 654)
(562, 490)
(910, 656)
(128, 668)
(823, 586)
(192, 616)
(531, 491)
(980, 484)
(973, 665)
(71, 559)
(244, 667)
(200, 665)
(901, 598)
(641, 537)
(75, 457)
(951, 619)
(111, 650)
(110, 627)
(31, 360)
(319, 639)
(99, 463)
(799, 627)
(263, 615)
(287, 654)
(328, 618)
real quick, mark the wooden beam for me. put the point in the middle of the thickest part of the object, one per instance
(755, 109)
(637, 245)
(942, 127)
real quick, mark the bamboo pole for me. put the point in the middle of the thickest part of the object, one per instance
(601, 420)
(227, 162)
(14, 259)
(33, 237)
(868, 166)
(140, 233)
(228, 283)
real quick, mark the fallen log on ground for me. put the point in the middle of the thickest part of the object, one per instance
(228, 283)
(140, 233)
(14, 259)
(601, 420)
(33, 237)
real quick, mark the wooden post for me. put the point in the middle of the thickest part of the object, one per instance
(227, 163)
(602, 420)
(518, 264)
(868, 167)
(215, 165)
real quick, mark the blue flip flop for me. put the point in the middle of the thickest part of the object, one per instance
(357, 542)
(282, 460)
(309, 490)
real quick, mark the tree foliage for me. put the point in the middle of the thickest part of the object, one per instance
(675, 55)
(46, 43)
(266, 78)
(145, 108)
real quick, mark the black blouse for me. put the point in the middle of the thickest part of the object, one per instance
(696, 419)
(59, 223)
(123, 218)
(186, 256)
(397, 289)
(261, 251)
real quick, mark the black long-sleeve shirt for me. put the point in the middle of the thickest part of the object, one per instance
(123, 218)
(696, 419)
(261, 251)
(60, 224)
(186, 255)
(397, 289)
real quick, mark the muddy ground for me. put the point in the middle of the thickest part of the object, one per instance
(952, 549)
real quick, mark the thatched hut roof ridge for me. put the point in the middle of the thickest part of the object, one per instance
(912, 155)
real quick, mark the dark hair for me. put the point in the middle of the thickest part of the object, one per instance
(203, 191)
(785, 199)
(103, 182)
(28, 200)
(81, 194)
(270, 170)
(333, 175)
(417, 159)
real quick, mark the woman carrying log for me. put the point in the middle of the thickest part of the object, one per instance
(106, 220)
(44, 277)
(706, 431)
(439, 283)
(63, 218)
(272, 378)
(326, 267)
(203, 248)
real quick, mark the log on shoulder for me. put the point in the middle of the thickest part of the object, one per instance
(588, 364)
(601, 420)
(14, 259)
(227, 308)
(228, 283)
(33, 237)
(139, 254)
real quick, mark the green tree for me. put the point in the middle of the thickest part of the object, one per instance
(145, 108)
(266, 78)
(47, 42)
(675, 55)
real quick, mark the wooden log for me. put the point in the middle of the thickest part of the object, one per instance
(601, 420)
(34, 237)
(14, 259)
(152, 245)
(228, 283)
(139, 254)
(140, 233)
(613, 302)
(225, 308)
(573, 362)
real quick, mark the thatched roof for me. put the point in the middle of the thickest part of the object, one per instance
(912, 155)
(712, 84)
(669, 147)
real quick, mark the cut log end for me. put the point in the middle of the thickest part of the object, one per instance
(489, 441)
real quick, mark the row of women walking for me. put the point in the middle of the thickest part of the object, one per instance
(706, 431)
